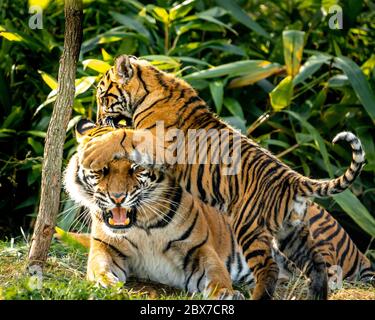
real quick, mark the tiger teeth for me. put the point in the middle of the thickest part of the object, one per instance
(112, 223)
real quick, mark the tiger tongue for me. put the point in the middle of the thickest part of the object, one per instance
(119, 216)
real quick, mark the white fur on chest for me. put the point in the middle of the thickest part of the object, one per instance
(150, 262)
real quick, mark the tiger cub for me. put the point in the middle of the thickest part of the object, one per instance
(145, 225)
(259, 197)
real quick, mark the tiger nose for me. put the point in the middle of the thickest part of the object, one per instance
(117, 197)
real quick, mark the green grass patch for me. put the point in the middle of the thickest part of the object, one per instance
(64, 279)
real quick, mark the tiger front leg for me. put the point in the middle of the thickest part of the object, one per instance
(207, 273)
(101, 267)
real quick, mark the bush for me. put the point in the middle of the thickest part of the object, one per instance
(274, 69)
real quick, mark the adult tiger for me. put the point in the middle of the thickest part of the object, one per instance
(145, 225)
(259, 198)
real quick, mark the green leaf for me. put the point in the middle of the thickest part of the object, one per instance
(311, 66)
(161, 14)
(230, 69)
(11, 36)
(83, 84)
(36, 145)
(282, 95)
(162, 61)
(356, 210)
(319, 142)
(359, 83)
(49, 80)
(106, 56)
(35, 133)
(293, 42)
(131, 23)
(181, 10)
(255, 75)
(237, 123)
(234, 107)
(216, 21)
(97, 65)
(241, 16)
(217, 93)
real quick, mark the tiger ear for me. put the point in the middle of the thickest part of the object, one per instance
(123, 69)
(82, 128)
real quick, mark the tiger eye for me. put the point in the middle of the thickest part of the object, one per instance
(105, 171)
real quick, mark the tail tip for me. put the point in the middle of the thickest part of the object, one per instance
(344, 135)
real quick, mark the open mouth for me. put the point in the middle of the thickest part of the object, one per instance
(119, 218)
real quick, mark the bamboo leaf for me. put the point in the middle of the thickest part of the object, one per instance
(217, 93)
(358, 81)
(241, 16)
(181, 10)
(311, 66)
(282, 95)
(232, 69)
(255, 75)
(234, 107)
(293, 42)
(319, 142)
(97, 65)
(49, 80)
(356, 210)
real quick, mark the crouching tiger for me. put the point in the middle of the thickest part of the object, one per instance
(259, 198)
(145, 225)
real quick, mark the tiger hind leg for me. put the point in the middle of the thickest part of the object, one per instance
(260, 260)
(298, 246)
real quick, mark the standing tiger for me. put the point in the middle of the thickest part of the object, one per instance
(259, 198)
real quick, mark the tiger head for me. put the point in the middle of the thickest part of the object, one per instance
(118, 194)
(126, 85)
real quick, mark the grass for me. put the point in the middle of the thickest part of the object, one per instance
(64, 278)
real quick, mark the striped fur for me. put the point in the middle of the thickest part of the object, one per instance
(259, 199)
(342, 257)
(173, 239)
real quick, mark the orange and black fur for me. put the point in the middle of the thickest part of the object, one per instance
(342, 257)
(259, 199)
(145, 225)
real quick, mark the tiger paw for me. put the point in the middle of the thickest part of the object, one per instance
(105, 279)
(227, 294)
(101, 150)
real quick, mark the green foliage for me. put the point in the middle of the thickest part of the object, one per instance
(64, 278)
(274, 69)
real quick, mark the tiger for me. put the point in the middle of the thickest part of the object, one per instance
(145, 225)
(343, 259)
(259, 198)
(326, 231)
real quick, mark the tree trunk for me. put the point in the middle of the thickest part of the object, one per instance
(56, 133)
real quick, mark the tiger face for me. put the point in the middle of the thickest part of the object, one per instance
(116, 194)
(117, 90)
(124, 87)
